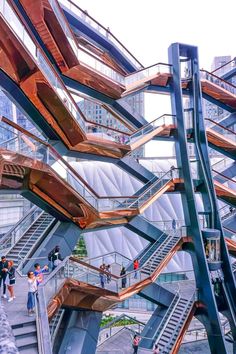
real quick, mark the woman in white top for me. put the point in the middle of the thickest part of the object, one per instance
(32, 288)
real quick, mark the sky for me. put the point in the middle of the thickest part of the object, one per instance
(147, 28)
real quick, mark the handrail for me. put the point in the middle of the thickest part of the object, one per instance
(223, 162)
(220, 125)
(54, 332)
(223, 176)
(107, 32)
(106, 255)
(47, 145)
(160, 180)
(218, 78)
(40, 59)
(94, 268)
(169, 312)
(167, 345)
(43, 332)
(222, 66)
(36, 242)
(147, 67)
(78, 178)
(150, 123)
(9, 232)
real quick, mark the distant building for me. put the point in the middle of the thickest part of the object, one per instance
(219, 67)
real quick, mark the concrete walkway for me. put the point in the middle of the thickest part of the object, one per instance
(16, 310)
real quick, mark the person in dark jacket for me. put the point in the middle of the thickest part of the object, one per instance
(55, 257)
(11, 280)
(3, 274)
(123, 280)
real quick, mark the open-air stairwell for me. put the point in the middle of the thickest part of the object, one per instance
(30, 238)
(155, 254)
(172, 325)
(85, 278)
(169, 330)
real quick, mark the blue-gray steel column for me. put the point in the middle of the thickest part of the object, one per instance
(177, 53)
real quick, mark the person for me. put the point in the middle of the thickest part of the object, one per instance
(3, 274)
(156, 349)
(136, 266)
(136, 341)
(123, 280)
(174, 224)
(39, 272)
(55, 257)
(32, 288)
(11, 280)
(102, 276)
(108, 270)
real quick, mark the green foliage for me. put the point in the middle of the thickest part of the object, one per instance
(80, 248)
(123, 322)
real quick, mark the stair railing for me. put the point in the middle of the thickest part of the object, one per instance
(21, 260)
(168, 314)
(169, 345)
(20, 228)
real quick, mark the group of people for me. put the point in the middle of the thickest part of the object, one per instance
(105, 274)
(34, 278)
(135, 345)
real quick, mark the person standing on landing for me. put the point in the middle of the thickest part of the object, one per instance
(39, 272)
(136, 266)
(136, 341)
(32, 288)
(3, 274)
(11, 280)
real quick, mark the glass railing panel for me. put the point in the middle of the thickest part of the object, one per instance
(17, 27)
(147, 73)
(107, 134)
(218, 81)
(20, 31)
(163, 120)
(89, 60)
(15, 233)
(106, 33)
(188, 118)
(29, 147)
(113, 258)
(64, 25)
(221, 164)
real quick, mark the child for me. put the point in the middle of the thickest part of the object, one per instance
(32, 288)
(39, 272)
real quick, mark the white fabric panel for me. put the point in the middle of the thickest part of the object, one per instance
(107, 180)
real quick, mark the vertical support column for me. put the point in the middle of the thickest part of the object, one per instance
(202, 274)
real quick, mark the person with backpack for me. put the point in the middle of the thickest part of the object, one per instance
(55, 257)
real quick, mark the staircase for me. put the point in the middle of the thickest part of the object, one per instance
(29, 239)
(172, 323)
(150, 190)
(55, 324)
(26, 337)
(155, 255)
